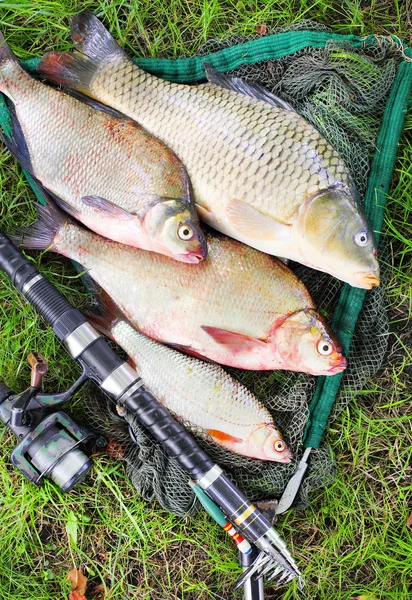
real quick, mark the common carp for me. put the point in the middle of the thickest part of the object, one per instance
(260, 172)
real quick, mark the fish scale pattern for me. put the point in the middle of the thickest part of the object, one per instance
(63, 135)
(237, 289)
(176, 379)
(342, 91)
(234, 146)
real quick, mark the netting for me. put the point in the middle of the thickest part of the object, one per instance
(343, 91)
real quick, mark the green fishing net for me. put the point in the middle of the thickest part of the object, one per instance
(343, 89)
(355, 92)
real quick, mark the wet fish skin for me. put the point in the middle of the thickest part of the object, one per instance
(199, 393)
(260, 172)
(239, 307)
(108, 172)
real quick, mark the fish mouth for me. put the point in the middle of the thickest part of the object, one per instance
(192, 258)
(338, 366)
(286, 459)
(367, 280)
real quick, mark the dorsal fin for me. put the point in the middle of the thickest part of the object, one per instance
(248, 89)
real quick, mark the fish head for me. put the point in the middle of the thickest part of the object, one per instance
(335, 237)
(304, 342)
(266, 443)
(174, 230)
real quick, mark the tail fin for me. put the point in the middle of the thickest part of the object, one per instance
(5, 51)
(70, 70)
(6, 56)
(105, 313)
(40, 235)
(90, 37)
(94, 47)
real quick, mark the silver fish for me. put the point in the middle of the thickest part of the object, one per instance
(199, 393)
(106, 171)
(239, 307)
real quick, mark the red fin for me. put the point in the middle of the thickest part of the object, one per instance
(221, 436)
(235, 341)
(100, 323)
(108, 312)
(132, 363)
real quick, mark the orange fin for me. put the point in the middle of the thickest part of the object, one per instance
(221, 436)
(250, 222)
(235, 341)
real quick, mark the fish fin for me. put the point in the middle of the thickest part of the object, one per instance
(248, 89)
(235, 341)
(93, 103)
(6, 52)
(207, 216)
(68, 69)
(99, 323)
(94, 46)
(132, 363)
(189, 350)
(6, 56)
(16, 142)
(105, 313)
(107, 208)
(221, 436)
(90, 37)
(40, 235)
(254, 224)
(63, 204)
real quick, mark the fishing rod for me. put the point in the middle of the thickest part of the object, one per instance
(122, 383)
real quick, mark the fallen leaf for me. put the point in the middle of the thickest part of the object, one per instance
(261, 29)
(409, 521)
(77, 596)
(98, 592)
(115, 450)
(79, 583)
(365, 597)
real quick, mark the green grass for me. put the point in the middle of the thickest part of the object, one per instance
(353, 540)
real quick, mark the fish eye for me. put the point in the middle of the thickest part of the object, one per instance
(185, 232)
(279, 446)
(361, 238)
(324, 347)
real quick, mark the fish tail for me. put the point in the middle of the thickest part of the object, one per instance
(71, 70)
(6, 57)
(105, 313)
(41, 235)
(94, 46)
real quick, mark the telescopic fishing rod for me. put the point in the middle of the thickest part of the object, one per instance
(122, 383)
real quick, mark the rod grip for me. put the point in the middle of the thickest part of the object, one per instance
(175, 439)
(48, 301)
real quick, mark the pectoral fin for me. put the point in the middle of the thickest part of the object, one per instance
(221, 436)
(255, 225)
(107, 208)
(236, 342)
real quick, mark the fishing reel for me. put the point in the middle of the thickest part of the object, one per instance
(49, 442)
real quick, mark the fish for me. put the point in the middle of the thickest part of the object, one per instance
(200, 394)
(260, 172)
(239, 307)
(105, 170)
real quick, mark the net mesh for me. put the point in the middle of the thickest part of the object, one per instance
(342, 91)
